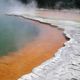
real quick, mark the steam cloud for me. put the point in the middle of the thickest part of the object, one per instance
(30, 6)
(16, 7)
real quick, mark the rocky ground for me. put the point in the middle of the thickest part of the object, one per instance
(66, 63)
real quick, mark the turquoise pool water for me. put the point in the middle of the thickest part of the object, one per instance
(15, 32)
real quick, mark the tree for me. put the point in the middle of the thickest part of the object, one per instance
(55, 3)
(77, 3)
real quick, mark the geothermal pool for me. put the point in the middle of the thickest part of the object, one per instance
(14, 33)
(25, 44)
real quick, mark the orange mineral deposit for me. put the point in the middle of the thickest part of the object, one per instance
(43, 47)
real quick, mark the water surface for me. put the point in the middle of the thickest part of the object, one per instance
(15, 32)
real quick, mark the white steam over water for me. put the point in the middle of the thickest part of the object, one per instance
(16, 7)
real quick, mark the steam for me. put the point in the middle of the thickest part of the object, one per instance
(3, 6)
(16, 7)
(19, 8)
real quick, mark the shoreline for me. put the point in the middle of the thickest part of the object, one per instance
(40, 50)
(62, 66)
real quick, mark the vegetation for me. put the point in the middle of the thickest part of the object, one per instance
(56, 3)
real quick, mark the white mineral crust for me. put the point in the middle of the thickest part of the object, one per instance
(66, 63)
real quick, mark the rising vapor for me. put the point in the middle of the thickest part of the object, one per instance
(16, 7)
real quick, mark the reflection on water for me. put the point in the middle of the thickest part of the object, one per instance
(14, 33)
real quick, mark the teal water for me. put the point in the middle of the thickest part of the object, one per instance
(15, 32)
